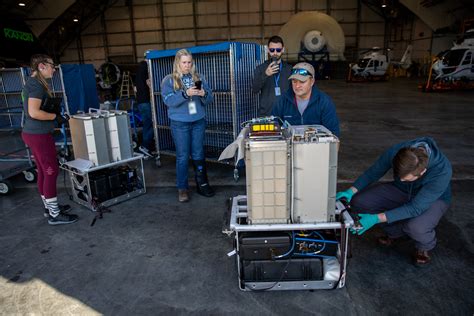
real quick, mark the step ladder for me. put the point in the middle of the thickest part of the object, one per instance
(127, 92)
(126, 89)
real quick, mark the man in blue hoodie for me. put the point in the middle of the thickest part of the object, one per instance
(413, 203)
(304, 104)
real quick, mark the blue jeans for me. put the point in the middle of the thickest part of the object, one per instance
(188, 138)
(147, 133)
(382, 197)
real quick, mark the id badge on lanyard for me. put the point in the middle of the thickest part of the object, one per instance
(192, 109)
(277, 88)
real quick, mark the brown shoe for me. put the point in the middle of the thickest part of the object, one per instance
(183, 196)
(386, 241)
(422, 258)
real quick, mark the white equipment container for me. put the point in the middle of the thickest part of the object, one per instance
(118, 134)
(314, 174)
(268, 174)
(89, 138)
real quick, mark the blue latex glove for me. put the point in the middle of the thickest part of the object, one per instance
(366, 221)
(348, 194)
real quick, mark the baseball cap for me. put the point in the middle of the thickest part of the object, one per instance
(302, 72)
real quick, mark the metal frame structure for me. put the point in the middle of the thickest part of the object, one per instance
(12, 81)
(228, 68)
(80, 182)
(238, 225)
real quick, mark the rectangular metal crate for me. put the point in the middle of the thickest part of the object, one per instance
(228, 68)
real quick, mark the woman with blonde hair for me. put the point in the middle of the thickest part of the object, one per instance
(186, 93)
(37, 134)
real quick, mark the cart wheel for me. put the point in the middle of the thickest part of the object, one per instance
(236, 175)
(6, 187)
(158, 163)
(30, 175)
(134, 145)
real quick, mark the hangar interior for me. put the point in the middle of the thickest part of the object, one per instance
(151, 254)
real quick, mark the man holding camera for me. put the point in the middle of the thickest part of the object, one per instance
(271, 77)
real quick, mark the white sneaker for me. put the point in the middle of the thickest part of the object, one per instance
(145, 151)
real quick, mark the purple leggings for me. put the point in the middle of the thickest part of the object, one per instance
(43, 149)
(385, 196)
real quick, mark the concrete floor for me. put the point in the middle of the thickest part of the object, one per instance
(153, 255)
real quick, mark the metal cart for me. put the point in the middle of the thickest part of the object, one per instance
(228, 68)
(334, 266)
(80, 175)
(15, 158)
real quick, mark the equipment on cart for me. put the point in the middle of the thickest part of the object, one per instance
(101, 136)
(291, 173)
(272, 257)
(290, 233)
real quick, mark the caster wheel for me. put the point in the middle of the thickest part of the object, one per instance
(30, 176)
(6, 187)
(236, 175)
(158, 163)
(134, 145)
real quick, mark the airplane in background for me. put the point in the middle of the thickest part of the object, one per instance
(374, 64)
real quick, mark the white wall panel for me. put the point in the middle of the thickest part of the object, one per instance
(145, 11)
(245, 6)
(116, 12)
(148, 37)
(176, 9)
(119, 39)
(118, 26)
(212, 7)
(92, 40)
(312, 5)
(245, 19)
(178, 22)
(279, 5)
(149, 24)
(120, 50)
(180, 36)
(214, 34)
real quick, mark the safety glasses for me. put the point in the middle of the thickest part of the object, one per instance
(278, 50)
(299, 71)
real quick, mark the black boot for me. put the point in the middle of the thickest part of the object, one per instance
(200, 174)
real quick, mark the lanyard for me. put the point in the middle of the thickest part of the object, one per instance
(277, 78)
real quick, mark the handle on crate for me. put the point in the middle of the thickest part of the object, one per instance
(99, 111)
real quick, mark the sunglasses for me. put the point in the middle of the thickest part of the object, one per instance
(302, 72)
(278, 50)
(51, 64)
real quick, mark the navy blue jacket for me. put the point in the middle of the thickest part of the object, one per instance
(434, 185)
(320, 110)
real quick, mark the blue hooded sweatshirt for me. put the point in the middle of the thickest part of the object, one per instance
(433, 185)
(320, 110)
(177, 100)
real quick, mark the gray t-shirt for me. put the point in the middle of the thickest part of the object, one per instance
(34, 89)
(302, 105)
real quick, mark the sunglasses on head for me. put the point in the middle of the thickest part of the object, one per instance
(48, 63)
(302, 72)
(278, 50)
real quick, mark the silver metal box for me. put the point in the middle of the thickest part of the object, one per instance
(118, 134)
(268, 190)
(314, 173)
(89, 139)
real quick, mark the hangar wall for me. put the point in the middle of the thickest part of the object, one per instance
(128, 28)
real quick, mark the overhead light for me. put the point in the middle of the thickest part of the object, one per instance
(21, 4)
(75, 20)
(384, 5)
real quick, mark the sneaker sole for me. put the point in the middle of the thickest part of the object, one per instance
(62, 223)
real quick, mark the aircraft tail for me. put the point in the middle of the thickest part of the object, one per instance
(405, 62)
